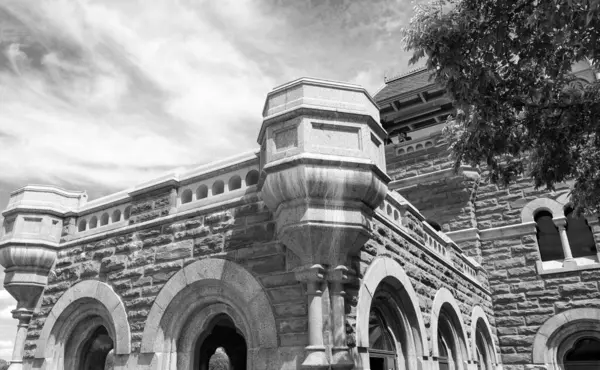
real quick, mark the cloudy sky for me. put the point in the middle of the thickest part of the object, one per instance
(101, 95)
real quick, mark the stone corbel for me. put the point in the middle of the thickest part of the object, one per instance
(314, 278)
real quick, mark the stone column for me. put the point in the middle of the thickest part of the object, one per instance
(313, 277)
(340, 353)
(561, 223)
(24, 316)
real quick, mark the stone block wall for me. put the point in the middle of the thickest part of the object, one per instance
(446, 198)
(524, 300)
(137, 262)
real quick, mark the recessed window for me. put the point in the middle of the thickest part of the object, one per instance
(94, 222)
(186, 196)
(82, 225)
(235, 183)
(116, 217)
(104, 219)
(202, 192)
(252, 178)
(127, 213)
(218, 187)
(581, 238)
(548, 237)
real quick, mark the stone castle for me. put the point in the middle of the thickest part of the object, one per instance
(346, 241)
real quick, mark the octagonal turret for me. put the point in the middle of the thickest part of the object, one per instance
(322, 157)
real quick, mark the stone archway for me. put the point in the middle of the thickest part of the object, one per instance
(222, 334)
(90, 310)
(559, 340)
(398, 312)
(202, 293)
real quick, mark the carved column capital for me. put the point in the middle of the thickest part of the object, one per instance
(310, 274)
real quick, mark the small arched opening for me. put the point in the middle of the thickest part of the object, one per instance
(186, 196)
(82, 225)
(127, 213)
(202, 192)
(218, 187)
(235, 183)
(116, 216)
(93, 222)
(252, 178)
(104, 219)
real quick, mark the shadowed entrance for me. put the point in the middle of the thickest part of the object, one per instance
(222, 335)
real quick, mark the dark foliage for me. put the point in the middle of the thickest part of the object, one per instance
(507, 64)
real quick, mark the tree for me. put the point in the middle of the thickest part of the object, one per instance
(507, 64)
(3, 364)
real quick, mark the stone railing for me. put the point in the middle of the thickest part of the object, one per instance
(214, 182)
(403, 215)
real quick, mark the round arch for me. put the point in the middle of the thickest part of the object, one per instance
(539, 204)
(478, 317)
(445, 299)
(565, 327)
(199, 292)
(89, 298)
(380, 270)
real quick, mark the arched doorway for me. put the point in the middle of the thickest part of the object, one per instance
(584, 355)
(222, 334)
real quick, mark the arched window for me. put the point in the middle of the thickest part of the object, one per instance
(382, 347)
(82, 225)
(483, 348)
(584, 355)
(235, 183)
(581, 238)
(202, 192)
(451, 346)
(252, 178)
(419, 146)
(93, 222)
(445, 357)
(400, 151)
(116, 217)
(218, 187)
(104, 219)
(186, 196)
(127, 213)
(548, 237)
(410, 149)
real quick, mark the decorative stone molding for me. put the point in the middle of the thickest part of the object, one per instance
(380, 270)
(541, 204)
(211, 284)
(549, 342)
(88, 304)
(444, 297)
